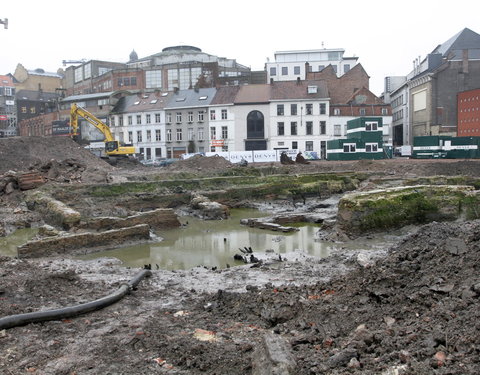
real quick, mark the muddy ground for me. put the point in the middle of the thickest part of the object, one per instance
(411, 309)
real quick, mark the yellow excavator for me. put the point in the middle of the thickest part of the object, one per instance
(113, 148)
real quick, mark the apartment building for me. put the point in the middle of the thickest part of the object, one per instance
(299, 116)
(187, 117)
(8, 115)
(293, 65)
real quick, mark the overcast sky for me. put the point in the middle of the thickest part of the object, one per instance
(386, 35)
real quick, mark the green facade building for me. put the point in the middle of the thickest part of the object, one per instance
(364, 141)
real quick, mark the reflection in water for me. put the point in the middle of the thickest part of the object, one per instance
(213, 243)
(8, 245)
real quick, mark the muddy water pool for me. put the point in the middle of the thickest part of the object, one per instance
(214, 243)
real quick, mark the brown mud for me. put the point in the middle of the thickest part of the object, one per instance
(410, 309)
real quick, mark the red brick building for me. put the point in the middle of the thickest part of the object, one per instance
(468, 104)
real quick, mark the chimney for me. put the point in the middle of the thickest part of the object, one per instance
(298, 80)
(175, 90)
(271, 81)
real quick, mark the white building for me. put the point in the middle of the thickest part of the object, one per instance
(291, 65)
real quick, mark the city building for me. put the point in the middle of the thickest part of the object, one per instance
(426, 103)
(468, 104)
(293, 65)
(8, 113)
(299, 116)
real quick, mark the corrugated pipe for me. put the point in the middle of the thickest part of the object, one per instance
(69, 312)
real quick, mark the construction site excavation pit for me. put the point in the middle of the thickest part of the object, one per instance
(214, 244)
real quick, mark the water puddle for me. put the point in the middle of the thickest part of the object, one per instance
(8, 244)
(213, 243)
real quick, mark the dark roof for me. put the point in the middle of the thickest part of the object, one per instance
(225, 95)
(465, 39)
(142, 102)
(36, 95)
(299, 90)
(191, 98)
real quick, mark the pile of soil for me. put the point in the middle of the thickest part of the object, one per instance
(416, 311)
(199, 163)
(23, 153)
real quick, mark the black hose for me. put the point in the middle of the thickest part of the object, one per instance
(68, 312)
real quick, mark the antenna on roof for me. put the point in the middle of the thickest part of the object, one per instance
(323, 44)
(4, 22)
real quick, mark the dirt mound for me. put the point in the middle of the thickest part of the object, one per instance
(199, 162)
(58, 159)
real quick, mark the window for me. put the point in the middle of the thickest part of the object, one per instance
(309, 109)
(225, 148)
(32, 110)
(349, 147)
(157, 118)
(169, 118)
(190, 117)
(130, 120)
(224, 132)
(280, 128)
(191, 134)
(201, 136)
(149, 135)
(158, 152)
(371, 126)
(273, 71)
(224, 114)
(169, 135)
(309, 126)
(126, 81)
(24, 109)
(139, 136)
(346, 68)
(293, 109)
(284, 70)
(384, 111)
(335, 68)
(133, 81)
(213, 133)
(139, 119)
(336, 111)
(296, 70)
(153, 79)
(158, 135)
(309, 146)
(120, 120)
(200, 116)
(280, 110)
(130, 137)
(148, 119)
(179, 135)
(323, 108)
(337, 130)
(321, 67)
(212, 114)
(293, 128)
(362, 111)
(120, 136)
(371, 147)
(112, 120)
(178, 117)
(295, 145)
(323, 127)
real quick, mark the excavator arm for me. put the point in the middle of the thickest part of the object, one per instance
(112, 146)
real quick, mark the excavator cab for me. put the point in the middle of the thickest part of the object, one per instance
(111, 146)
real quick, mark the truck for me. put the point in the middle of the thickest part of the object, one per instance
(113, 148)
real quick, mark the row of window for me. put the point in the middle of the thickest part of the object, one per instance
(169, 117)
(294, 109)
(351, 147)
(473, 109)
(200, 135)
(397, 115)
(397, 101)
(127, 81)
(308, 128)
(468, 99)
(296, 69)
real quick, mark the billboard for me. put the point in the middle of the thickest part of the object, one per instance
(61, 127)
